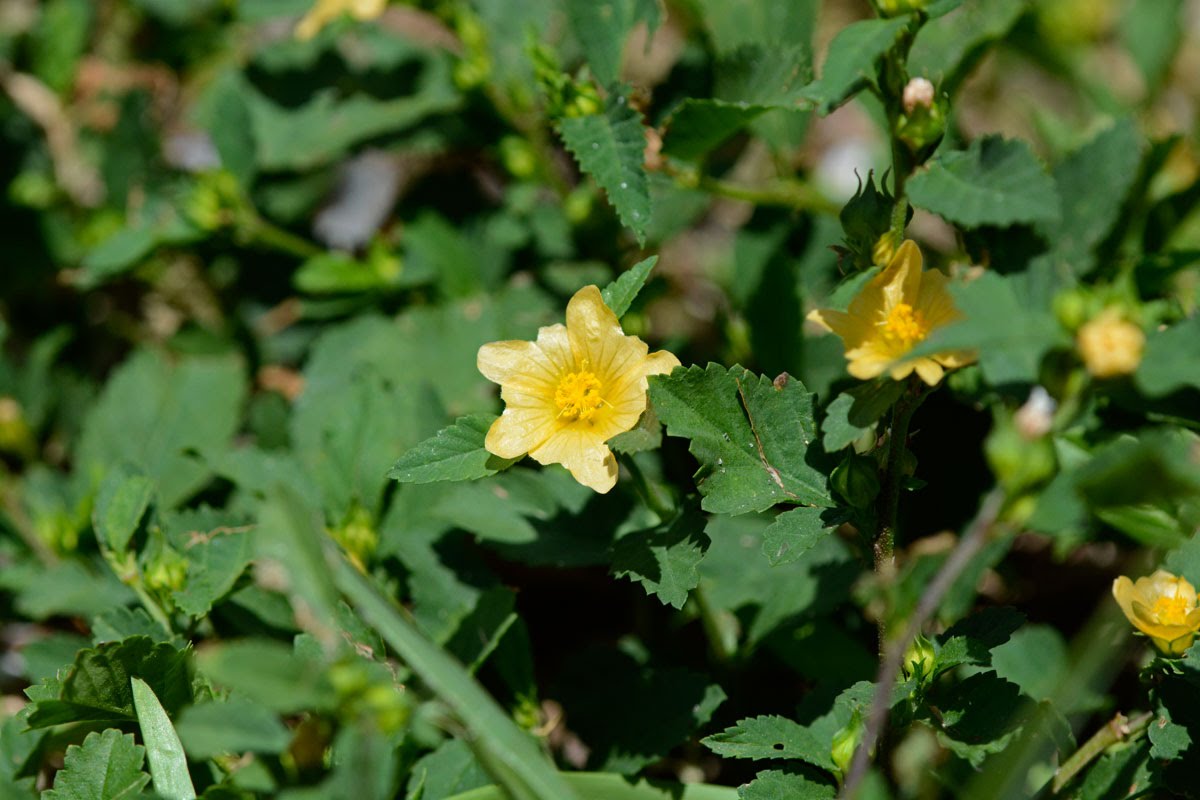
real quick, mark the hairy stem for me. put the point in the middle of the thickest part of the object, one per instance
(1118, 729)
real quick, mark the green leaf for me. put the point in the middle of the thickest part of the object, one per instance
(107, 766)
(771, 737)
(455, 453)
(735, 24)
(1093, 183)
(601, 26)
(632, 713)
(326, 126)
(664, 559)
(1172, 359)
(850, 64)
(750, 435)
(610, 148)
(231, 127)
(97, 687)
(1168, 739)
(268, 673)
(646, 435)
(794, 533)
(855, 411)
(979, 710)
(607, 786)
(120, 505)
(153, 415)
(972, 640)
(1010, 334)
(217, 550)
(995, 181)
(1152, 40)
(168, 765)
(620, 294)
(490, 726)
(699, 125)
(774, 784)
(448, 771)
(237, 725)
(945, 49)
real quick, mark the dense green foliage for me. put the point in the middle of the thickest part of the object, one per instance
(253, 542)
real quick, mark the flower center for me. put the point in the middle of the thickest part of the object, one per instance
(1171, 610)
(578, 396)
(905, 325)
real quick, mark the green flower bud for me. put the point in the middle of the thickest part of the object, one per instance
(578, 205)
(846, 741)
(166, 573)
(1072, 308)
(919, 659)
(357, 535)
(923, 122)
(894, 8)
(586, 101)
(518, 157)
(856, 480)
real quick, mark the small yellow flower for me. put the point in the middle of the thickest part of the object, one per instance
(572, 390)
(1110, 346)
(890, 315)
(326, 11)
(1162, 606)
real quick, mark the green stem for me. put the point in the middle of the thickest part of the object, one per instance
(888, 504)
(789, 194)
(1118, 729)
(720, 627)
(653, 499)
(258, 231)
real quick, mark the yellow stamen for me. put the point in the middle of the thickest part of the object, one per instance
(905, 325)
(1171, 610)
(578, 395)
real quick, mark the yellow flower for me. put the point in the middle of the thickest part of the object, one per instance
(1110, 346)
(326, 11)
(1162, 606)
(890, 315)
(572, 390)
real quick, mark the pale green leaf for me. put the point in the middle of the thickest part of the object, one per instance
(995, 181)
(610, 148)
(1172, 359)
(750, 435)
(972, 640)
(168, 764)
(851, 61)
(107, 766)
(777, 784)
(448, 771)
(236, 725)
(620, 294)
(455, 453)
(794, 533)
(855, 411)
(945, 48)
(120, 505)
(268, 673)
(601, 26)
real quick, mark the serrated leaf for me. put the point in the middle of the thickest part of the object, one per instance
(1093, 183)
(1172, 359)
(217, 552)
(455, 453)
(750, 435)
(610, 148)
(771, 737)
(620, 294)
(774, 784)
(107, 766)
(664, 559)
(794, 533)
(269, 673)
(447, 771)
(154, 415)
(646, 435)
(120, 505)
(850, 63)
(168, 765)
(97, 687)
(1010, 334)
(945, 49)
(855, 411)
(236, 725)
(699, 125)
(1168, 739)
(601, 26)
(972, 640)
(995, 181)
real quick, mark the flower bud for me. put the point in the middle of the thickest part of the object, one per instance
(1034, 419)
(923, 122)
(518, 157)
(846, 741)
(1109, 345)
(894, 8)
(884, 249)
(1071, 308)
(918, 93)
(919, 659)
(856, 479)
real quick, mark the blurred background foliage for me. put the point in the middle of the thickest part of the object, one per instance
(236, 260)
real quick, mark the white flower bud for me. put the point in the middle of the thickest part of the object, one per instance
(1034, 419)
(918, 92)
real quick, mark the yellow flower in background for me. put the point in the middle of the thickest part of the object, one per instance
(1110, 345)
(572, 390)
(890, 315)
(1162, 606)
(326, 11)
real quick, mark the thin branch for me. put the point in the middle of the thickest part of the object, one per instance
(1118, 729)
(889, 668)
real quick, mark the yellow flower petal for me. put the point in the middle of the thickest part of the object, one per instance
(890, 315)
(1162, 606)
(572, 390)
